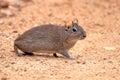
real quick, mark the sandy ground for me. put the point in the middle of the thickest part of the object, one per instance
(98, 56)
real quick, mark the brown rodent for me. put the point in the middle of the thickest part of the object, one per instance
(50, 39)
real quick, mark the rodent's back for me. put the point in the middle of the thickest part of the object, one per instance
(40, 32)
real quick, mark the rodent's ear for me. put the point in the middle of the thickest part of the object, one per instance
(75, 21)
(68, 24)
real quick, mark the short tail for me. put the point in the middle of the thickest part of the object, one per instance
(16, 51)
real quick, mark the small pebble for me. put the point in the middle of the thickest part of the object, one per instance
(114, 68)
(12, 51)
(83, 62)
(4, 4)
(104, 58)
(1, 22)
(50, 14)
(2, 15)
(25, 70)
(66, 62)
(38, 60)
(26, 0)
(109, 48)
(110, 62)
(7, 66)
(3, 78)
(15, 31)
(9, 23)
(12, 62)
(15, 7)
(78, 62)
(68, 77)
(10, 14)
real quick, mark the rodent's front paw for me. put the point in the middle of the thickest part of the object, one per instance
(20, 55)
(72, 58)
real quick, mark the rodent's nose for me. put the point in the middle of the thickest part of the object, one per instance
(84, 35)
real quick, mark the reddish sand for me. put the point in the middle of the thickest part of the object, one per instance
(98, 56)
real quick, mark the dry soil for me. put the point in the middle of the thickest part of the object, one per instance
(98, 56)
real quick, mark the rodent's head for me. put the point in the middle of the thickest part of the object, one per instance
(75, 31)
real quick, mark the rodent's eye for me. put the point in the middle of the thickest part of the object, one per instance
(74, 29)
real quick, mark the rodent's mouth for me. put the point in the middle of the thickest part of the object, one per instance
(82, 37)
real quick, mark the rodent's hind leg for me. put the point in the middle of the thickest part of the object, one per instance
(55, 55)
(28, 53)
(66, 54)
(16, 51)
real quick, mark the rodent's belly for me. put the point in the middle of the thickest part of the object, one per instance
(45, 51)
